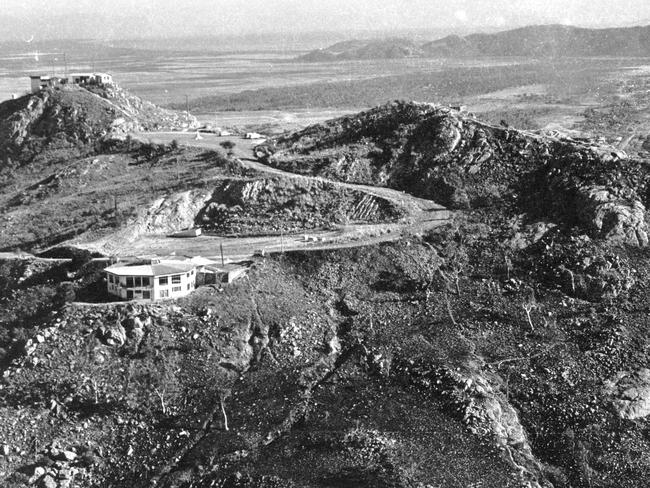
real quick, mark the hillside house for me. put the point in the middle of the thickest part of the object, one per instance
(151, 282)
(253, 135)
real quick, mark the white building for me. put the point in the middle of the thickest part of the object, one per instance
(151, 282)
(91, 78)
(253, 135)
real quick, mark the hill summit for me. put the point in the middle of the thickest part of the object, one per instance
(73, 117)
(393, 48)
(449, 157)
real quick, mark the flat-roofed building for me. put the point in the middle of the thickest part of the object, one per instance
(91, 78)
(151, 282)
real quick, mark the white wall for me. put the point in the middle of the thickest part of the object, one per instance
(186, 282)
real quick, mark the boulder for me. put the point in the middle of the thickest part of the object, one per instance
(614, 218)
(114, 335)
(39, 472)
(48, 482)
(630, 394)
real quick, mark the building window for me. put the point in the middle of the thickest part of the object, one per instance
(176, 289)
(162, 280)
(176, 279)
(164, 293)
(137, 281)
(146, 282)
(188, 286)
(188, 275)
(110, 278)
(192, 271)
(129, 281)
(129, 294)
(146, 295)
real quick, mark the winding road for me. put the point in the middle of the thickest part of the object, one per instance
(423, 215)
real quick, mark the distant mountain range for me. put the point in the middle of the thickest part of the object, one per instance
(390, 48)
(537, 41)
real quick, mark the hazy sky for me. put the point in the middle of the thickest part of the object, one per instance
(137, 18)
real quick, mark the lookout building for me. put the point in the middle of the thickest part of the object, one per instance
(40, 82)
(151, 282)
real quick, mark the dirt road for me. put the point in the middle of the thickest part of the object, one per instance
(423, 215)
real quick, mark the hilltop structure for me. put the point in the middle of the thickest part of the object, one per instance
(41, 82)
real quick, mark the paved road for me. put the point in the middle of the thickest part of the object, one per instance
(424, 215)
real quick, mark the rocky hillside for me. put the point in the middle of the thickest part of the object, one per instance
(507, 349)
(75, 118)
(460, 162)
(274, 205)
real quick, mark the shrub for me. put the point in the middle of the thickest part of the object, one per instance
(65, 293)
(228, 146)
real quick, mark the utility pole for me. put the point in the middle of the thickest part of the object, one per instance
(221, 247)
(282, 241)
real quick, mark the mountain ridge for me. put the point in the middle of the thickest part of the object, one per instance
(551, 40)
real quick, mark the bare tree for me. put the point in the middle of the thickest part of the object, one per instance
(449, 309)
(224, 393)
(161, 397)
(529, 305)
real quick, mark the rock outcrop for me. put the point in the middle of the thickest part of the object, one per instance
(278, 205)
(630, 394)
(483, 409)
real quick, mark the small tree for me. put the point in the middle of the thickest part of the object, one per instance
(65, 293)
(228, 146)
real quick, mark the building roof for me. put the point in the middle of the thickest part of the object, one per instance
(225, 268)
(161, 269)
(88, 73)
